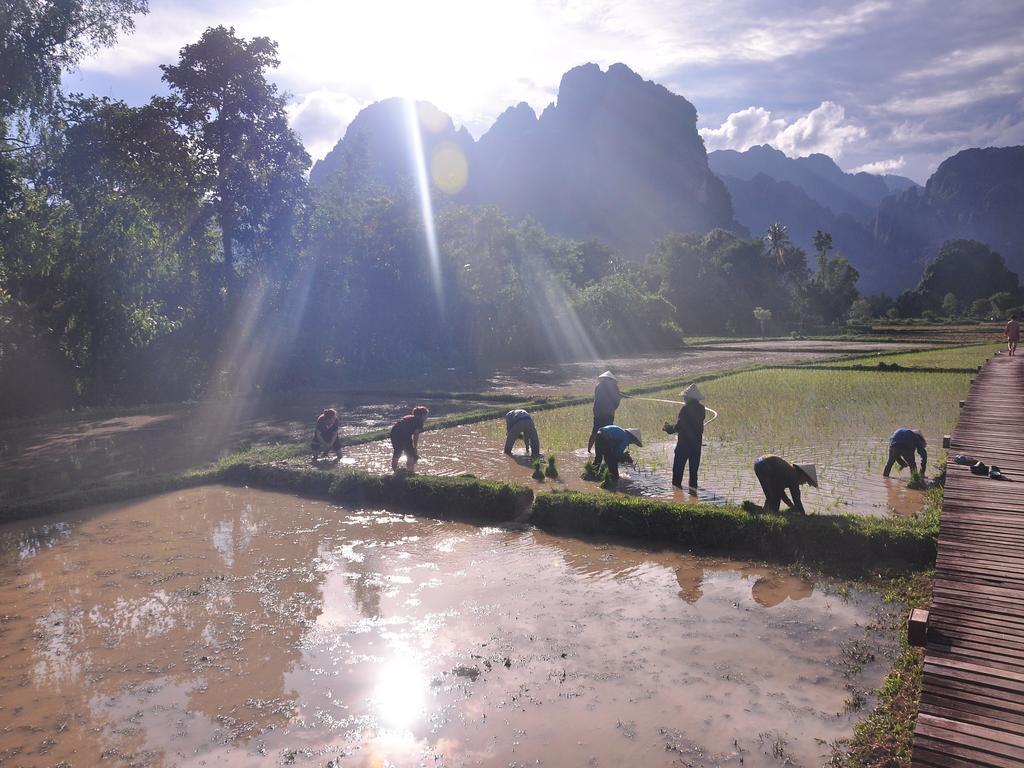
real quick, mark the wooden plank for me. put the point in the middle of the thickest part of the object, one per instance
(972, 690)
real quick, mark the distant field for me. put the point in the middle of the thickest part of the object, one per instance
(955, 357)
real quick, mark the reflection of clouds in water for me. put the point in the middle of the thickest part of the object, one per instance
(319, 651)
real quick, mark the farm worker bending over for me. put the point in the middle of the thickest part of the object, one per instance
(777, 475)
(325, 434)
(902, 444)
(606, 401)
(405, 437)
(1012, 334)
(519, 424)
(689, 431)
(612, 447)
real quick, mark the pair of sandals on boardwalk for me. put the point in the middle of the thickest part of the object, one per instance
(980, 467)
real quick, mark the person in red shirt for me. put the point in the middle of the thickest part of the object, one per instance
(405, 437)
(1012, 334)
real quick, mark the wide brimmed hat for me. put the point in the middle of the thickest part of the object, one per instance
(608, 375)
(692, 392)
(921, 435)
(810, 471)
(637, 436)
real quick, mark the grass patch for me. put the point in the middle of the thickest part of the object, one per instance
(967, 357)
(885, 738)
(841, 544)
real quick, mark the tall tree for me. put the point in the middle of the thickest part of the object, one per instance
(39, 39)
(777, 242)
(235, 118)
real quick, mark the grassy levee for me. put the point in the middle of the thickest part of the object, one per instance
(448, 497)
(839, 544)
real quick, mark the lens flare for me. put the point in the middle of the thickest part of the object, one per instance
(449, 168)
(419, 165)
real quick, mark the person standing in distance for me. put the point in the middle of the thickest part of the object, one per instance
(606, 401)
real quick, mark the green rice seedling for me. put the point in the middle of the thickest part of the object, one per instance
(590, 472)
(551, 471)
(917, 482)
(969, 356)
(538, 471)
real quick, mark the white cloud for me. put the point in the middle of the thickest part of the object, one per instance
(823, 129)
(743, 130)
(882, 166)
(473, 58)
(320, 119)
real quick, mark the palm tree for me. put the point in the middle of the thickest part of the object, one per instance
(777, 242)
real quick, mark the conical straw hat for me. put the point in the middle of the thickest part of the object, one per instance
(692, 392)
(810, 471)
(607, 375)
(639, 438)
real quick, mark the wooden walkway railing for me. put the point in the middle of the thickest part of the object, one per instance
(972, 695)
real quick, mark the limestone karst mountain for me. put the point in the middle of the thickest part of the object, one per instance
(615, 158)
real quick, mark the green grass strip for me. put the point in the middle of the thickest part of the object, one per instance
(846, 544)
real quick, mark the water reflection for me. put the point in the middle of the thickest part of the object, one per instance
(234, 627)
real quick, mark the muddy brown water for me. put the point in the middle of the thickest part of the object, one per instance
(231, 627)
(849, 472)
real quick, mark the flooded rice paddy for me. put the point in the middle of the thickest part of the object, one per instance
(230, 627)
(43, 458)
(839, 421)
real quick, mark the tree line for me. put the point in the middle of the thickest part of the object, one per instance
(175, 250)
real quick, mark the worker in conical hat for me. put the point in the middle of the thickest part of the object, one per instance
(689, 432)
(606, 401)
(902, 444)
(777, 476)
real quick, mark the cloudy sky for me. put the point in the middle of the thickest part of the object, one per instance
(883, 85)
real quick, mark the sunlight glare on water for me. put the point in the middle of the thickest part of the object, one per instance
(233, 627)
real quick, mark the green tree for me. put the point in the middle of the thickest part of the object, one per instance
(253, 163)
(777, 242)
(763, 316)
(860, 311)
(40, 39)
(950, 305)
(1002, 302)
(981, 308)
(832, 290)
(822, 246)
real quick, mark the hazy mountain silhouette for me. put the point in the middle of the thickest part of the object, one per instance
(976, 194)
(615, 158)
(856, 194)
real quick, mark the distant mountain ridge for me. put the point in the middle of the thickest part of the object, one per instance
(976, 194)
(618, 159)
(856, 194)
(614, 158)
(811, 193)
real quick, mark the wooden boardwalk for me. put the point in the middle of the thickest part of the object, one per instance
(972, 696)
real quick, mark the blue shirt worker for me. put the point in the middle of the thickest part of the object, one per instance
(612, 447)
(519, 424)
(689, 432)
(902, 444)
